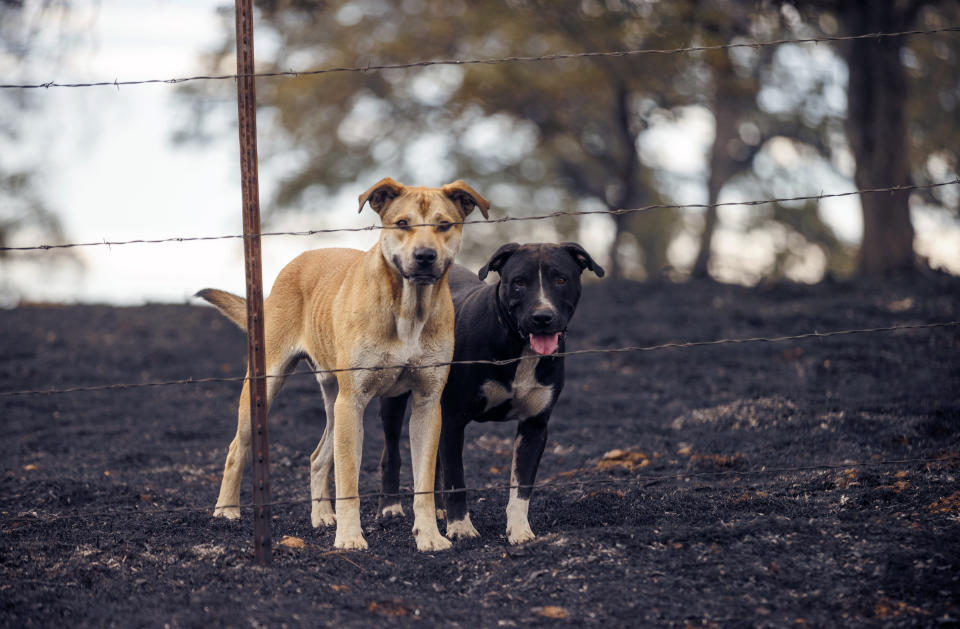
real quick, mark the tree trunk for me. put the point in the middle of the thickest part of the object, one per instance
(628, 175)
(726, 110)
(876, 130)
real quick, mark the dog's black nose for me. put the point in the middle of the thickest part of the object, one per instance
(425, 256)
(542, 318)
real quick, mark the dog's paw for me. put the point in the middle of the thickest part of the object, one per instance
(520, 534)
(350, 542)
(230, 513)
(462, 529)
(390, 512)
(322, 517)
(435, 541)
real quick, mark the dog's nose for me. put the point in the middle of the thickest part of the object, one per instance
(542, 318)
(425, 256)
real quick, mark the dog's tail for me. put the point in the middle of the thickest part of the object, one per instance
(232, 306)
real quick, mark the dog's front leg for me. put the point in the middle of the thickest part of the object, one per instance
(425, 421)
(347, 444)
(527, 450)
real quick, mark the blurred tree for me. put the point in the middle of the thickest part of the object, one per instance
(23, 209)
(901, 123)
(732, 84)
(539, 135)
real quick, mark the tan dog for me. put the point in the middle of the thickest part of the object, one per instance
(343, 308)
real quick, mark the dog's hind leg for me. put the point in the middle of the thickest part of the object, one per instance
(450, 456)
(321, 511)
(229, 499)
(391, 416)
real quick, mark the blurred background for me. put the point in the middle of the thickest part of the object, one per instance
(584, 134)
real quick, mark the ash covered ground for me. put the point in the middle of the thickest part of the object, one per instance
(801, 483)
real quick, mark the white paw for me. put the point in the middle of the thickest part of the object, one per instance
(350, 542)
(433, 541)
(391, 511)
(322, 517)
(519, 534)
(462, 529)
(230, 513)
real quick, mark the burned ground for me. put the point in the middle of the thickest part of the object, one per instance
(796, 483)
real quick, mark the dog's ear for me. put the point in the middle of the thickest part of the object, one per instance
(466, 198)
(380, 195)
(583, 258)
(498, 260)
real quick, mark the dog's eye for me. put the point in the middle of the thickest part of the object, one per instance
(402, 224)
(561, 280)
(519, 282)
(443, 226)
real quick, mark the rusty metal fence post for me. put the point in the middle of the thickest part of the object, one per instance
(247, 113)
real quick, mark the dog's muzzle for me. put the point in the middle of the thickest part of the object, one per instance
(423, 271)
(543, 330)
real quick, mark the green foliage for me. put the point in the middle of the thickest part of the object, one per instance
(541, 136)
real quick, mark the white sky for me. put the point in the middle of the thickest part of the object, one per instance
(109, 169)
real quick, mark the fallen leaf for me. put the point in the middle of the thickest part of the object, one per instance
(626, 459)
(846, 479)
(30, 467)
(718, 460)
(886, 608)
(340, 588)
(947, 504)
(551, 611)
(292, 542)
(387, 608)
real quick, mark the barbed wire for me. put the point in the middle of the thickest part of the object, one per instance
(507, 361)
(641, 479)
(503, 219)
(116, 83)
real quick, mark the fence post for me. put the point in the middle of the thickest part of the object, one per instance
(247, 114)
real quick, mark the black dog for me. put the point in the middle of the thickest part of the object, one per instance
(524, 315)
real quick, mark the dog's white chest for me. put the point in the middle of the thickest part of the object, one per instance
(527, 397)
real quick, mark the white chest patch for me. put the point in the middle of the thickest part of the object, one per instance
(408, 331)
(527, 397)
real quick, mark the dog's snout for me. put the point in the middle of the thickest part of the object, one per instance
(542, 318)
(425, 256)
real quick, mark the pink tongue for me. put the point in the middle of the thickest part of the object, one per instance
(545, 343)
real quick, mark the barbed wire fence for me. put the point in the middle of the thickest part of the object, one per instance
(116, 83)
(491, 221)
(634, 479)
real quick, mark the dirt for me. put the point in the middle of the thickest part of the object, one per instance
(800, 483)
